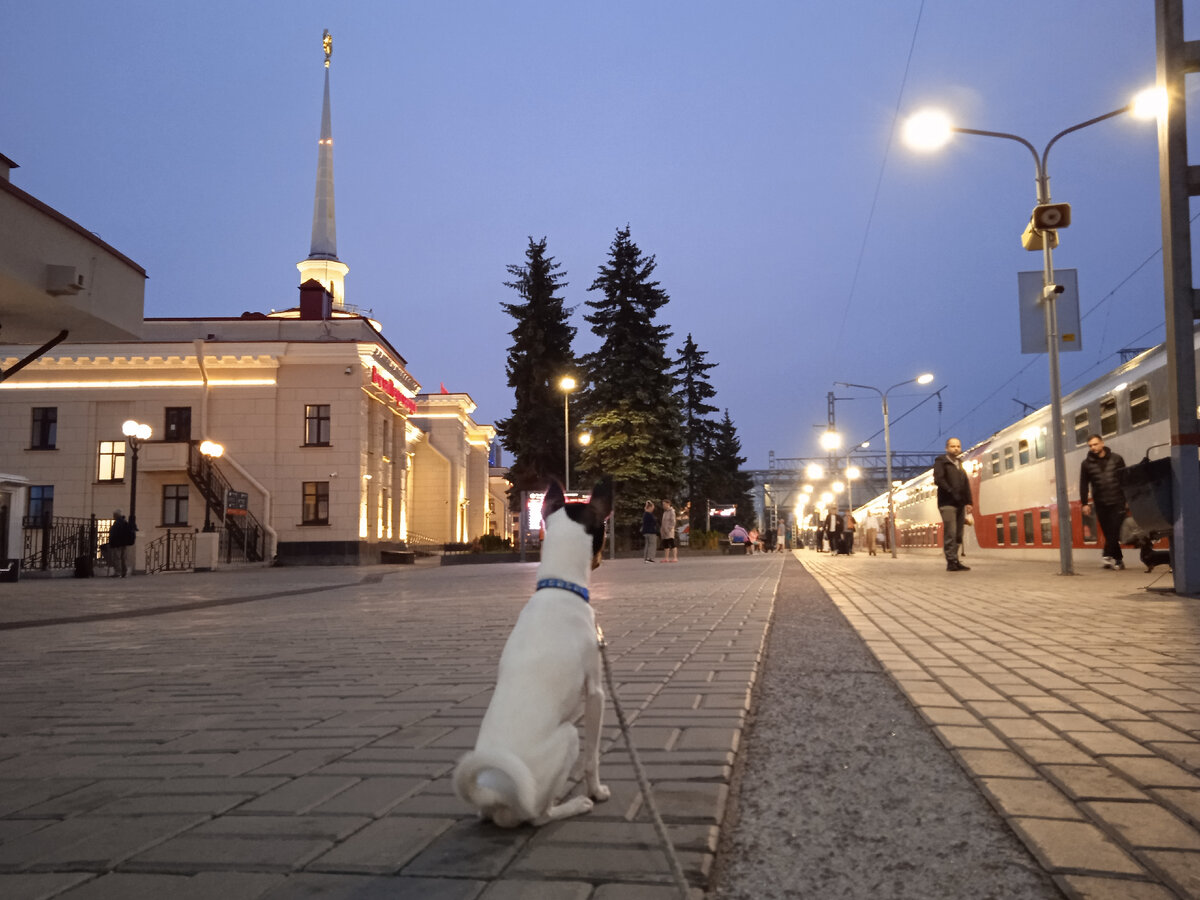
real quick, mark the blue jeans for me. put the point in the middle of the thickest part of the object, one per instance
(952, 530)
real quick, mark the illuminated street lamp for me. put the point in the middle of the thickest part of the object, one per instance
(210, 450)
(930, 130)
(566, 384)
(887, 443)
(137, 432)
(814, 472)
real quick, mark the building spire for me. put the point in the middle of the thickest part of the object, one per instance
(322, 263)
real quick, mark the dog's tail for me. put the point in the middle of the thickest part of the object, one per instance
(498, 784)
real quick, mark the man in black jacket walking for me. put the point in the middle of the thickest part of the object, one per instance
(954, 501)
(1098, 473)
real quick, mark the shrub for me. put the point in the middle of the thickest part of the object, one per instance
(705, 540)
(493, 543)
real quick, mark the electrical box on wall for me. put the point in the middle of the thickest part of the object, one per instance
(62, 280)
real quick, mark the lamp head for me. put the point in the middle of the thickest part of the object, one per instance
(925, 379)
(928, 129)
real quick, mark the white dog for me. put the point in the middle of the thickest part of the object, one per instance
(528, 742)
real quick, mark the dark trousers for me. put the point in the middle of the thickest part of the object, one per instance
(1110, 518)
(952, 530)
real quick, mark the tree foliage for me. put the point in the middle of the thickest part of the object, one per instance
(539, 356)
(724, 480)
(630, 406)
(693, 391)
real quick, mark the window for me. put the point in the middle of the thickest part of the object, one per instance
(41, 501)
(112, 461)
(1108, 417)
(999, 529)
(316, 502)
(995, 462)
(1012, 528)
(44, 433)
(1139, 404)
(175, 504)
(1047, 530)
(1008, 459)
(316, 426)
(1039, 444)
(1027, 521)
(1081, 427)
(1090, 533)
(178, 423)
(1023, 451)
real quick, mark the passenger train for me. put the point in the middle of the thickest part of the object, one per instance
(1012, 472)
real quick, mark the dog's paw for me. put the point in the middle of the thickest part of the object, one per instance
(601, 793)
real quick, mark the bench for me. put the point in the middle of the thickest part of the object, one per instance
(731, 549)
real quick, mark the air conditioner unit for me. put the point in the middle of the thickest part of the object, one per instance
(62, 280)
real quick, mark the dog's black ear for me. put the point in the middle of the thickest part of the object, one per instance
(602, 499)
(554, 500)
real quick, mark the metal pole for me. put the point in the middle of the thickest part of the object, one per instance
(1177, 57)
(1049, 298)
(133, 444)
(566, 444)
(887, 452)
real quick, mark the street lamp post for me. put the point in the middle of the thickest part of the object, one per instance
(566, 384)
(137, 432)
(930, 130)
(887, 445)
(210, 450)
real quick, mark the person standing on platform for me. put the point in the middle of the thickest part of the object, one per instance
(670, 553)
(1098, 473)
(871, 530)
(954, 501)
(649, 533)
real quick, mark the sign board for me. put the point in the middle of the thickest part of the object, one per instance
(1033, 311)
(236, 502)
(533, 506)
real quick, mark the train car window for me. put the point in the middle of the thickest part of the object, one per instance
(1139, 404)
(1008, 459)
(1047, 530)
(1027, 521)
(1039, 444)
(1081, 427)
(995, 462)
(1108, 416)
(1023, 451)
(999, 529)
(1012, 528)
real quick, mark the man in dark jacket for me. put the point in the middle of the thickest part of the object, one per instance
(954, 501)
(1098, 473)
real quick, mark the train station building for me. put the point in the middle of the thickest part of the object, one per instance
(332, 453)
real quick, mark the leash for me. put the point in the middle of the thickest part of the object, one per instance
(681, 882)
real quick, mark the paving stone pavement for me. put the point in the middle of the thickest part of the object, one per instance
(1073, 702)
(290, 732)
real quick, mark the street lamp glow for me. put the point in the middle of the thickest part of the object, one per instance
(853, 472)
(830, 440)
(1149, 104)
(136, 430)
(929, 129)
(585, 438)
(567, 383)
(925, 379)
(826, 498)
(837, 487)
(814, 471)
(212, 448)
(808, 488)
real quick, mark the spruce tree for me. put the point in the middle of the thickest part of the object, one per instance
(539, 356)
(693, 390)
(631, 408)
(724, 480)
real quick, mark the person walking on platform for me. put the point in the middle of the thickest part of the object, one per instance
(1098, 473)
(954, 501)
(871, 527)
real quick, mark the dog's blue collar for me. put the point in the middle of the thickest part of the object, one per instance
(565, 585)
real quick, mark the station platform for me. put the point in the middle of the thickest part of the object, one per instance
(1073, 702)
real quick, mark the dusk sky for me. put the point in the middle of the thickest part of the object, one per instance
(752, 147)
